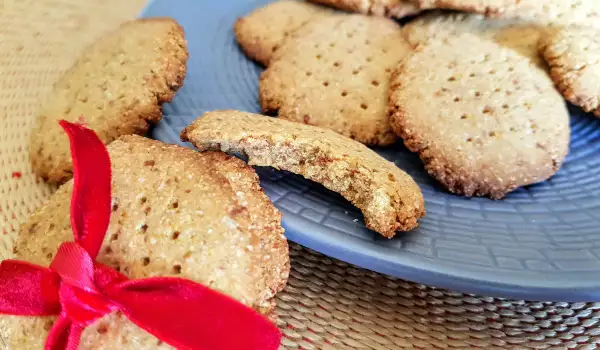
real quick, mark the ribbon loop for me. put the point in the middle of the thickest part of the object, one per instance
(28, 290)
(90, 203)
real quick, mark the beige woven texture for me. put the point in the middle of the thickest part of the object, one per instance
(327, 304)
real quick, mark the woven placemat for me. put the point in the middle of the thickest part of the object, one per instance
(327, 304)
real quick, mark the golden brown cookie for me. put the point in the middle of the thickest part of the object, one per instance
(487, 7)
(334, 73)
(388, 197)
(574, 58)
(264, 30)
(116, 87)
(519, 35)
(483, 119)
(559, 13)
(387, 8)
(175, 212)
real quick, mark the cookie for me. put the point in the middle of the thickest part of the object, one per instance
(491, 122)
(519, 35)
(116, 87)
(487, 7)
(334, 74)
(263, 31)
(573, 55)
(560, 13)
(388, 8)
(388, 197)
(175, 212)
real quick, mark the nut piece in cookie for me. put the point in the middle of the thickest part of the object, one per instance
(573, 55)
(388, 197)
(482, 117)
(334, 73)
(521, 36)
(264, 30)
(116, 87)
(177, 212)
(387, 8)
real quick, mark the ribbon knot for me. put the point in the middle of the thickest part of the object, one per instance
(180, 312)
(78, 294)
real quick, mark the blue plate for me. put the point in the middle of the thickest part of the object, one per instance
(540, 243)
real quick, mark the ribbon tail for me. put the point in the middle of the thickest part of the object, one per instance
(90, 203)
(74, 337)
(28, 290)
(64, 335)
(188, 315)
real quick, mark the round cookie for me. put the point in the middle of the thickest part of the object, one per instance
(116, 87)
(483, 119)
(486, 7)
(335, 74)
(175, 212)
(573, 55)
(264, 30)
(388, 8)
(519, 35)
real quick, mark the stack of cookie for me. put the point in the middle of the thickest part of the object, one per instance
(469, 91)
(174, 212)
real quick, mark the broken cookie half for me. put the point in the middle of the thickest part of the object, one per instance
(389, 198)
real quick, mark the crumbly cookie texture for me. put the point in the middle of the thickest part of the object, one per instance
(573, 55)
(388, 197)
(492, 122)
(175, 212)
(521, 36)
(265, 29)
(388, 8)
(116, 87)
(335, 74)
(493, 8)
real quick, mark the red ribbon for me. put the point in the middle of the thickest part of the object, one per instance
(180, 312)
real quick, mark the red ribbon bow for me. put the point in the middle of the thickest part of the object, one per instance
(182, 313)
